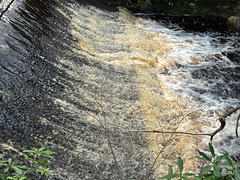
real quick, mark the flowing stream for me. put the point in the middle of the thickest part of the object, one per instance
(87, 82)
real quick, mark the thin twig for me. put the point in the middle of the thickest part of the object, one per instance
(110, 143)
(104, 125)
(166, 144)
(173, 132)
(228, 113)
(5, 10)
(97, 120)
(223, 123)
(237, 125)
(221, 119)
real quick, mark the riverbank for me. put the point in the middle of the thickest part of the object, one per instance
(201, 14)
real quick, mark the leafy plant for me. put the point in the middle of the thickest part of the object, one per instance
(218, 168)
(32, 165)
(2, 92)
(180, 175)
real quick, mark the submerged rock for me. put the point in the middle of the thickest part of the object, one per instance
(234, 21)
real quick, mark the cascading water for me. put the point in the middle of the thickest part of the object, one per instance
(85, 82)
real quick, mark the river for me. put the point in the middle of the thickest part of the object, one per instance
(87, 82)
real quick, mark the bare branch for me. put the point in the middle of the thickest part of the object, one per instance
(221, 119)
(184, 115)
(5, 10)
(173, 132)
(237, 125)
(223, 123)
(228, 113)
(104, 125)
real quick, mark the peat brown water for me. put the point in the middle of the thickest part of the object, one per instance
(85, 81)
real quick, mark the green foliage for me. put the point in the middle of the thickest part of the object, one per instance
(143, 3)
(180, 175)
(32, 165)
(218, 168)
(2, 92)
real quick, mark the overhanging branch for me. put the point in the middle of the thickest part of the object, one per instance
(221, 119)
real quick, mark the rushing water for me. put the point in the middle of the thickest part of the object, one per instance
(81, 79)
(205, 70)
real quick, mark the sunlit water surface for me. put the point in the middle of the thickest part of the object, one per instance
(60, 59)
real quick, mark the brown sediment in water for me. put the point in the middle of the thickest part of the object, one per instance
(160, 108)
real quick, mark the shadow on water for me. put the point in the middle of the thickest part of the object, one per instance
(34, 36)
(27, 73)
(24, 71)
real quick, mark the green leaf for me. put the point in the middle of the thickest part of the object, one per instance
(224, 164)
(197, 178)
(42, 148)
(19, 171)
(216, 171)
(48, 152)
(6, 169)
(22, 178)
(170, 170)
(49, 172)
(180, 164)
(4, 93)
(188, 174)
(237, 176)
(204, 156)
(10, 177)
(228, 177)
(43, 162)
(46, 155)
(41, 171)
(30, 151)
(226, 156)
(211, 178)
(17, 163)
(34, 148)
(170, 174)
(22, 167)
(9, 160)
(3, 163)
(219, 158)
(29, 158)
(2, 155)
(206, 169)
(211, 149)
(2, 177)
(237, 164)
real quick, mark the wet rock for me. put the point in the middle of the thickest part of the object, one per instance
(234, 21)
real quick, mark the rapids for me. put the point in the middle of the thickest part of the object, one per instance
(86, 82)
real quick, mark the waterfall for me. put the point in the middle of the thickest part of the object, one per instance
(88, 82)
